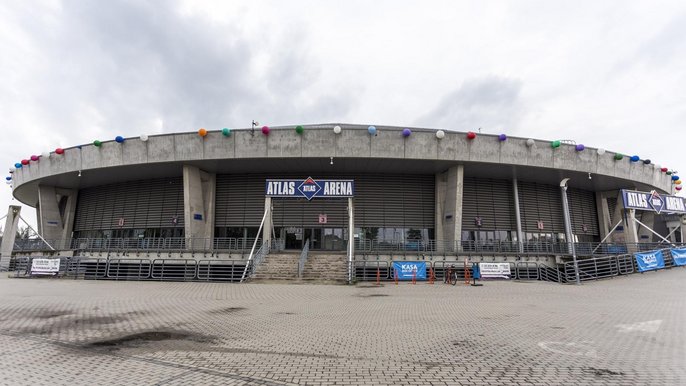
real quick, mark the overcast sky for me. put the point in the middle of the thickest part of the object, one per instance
(608, 74)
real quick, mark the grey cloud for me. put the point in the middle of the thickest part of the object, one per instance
(489, 103)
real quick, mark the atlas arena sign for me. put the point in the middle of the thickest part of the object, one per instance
(653, 201)
(310, 188)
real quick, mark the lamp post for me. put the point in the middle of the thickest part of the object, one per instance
(568, 228)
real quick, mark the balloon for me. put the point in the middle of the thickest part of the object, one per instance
(619, 156)
(202, 132)
(144, 137)
(669, 172)
(226, 132)
(471, 135)
(646, 162)
(265, 130)
(664, 170)
(337, 129)
(555, 144)
(8, 178)
(18, 165)
(299, 129)
(34, 158)
(580, 147)
(59, 150)
(675, 178)
(634, 158)
(12, 169)
(119, 139)
(601, 151)
(407, 132)
(97, 143)
(530, 142)
(440, 134)
(678, 182)
(678, 187)
(24, 162)
(502, 137)
(371, 130)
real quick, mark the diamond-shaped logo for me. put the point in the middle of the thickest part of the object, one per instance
(656, 202)
(309, 188)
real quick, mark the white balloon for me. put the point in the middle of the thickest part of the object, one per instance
(13, 169)
(530, 142)
(440, 134)
(144, 137)
(601, 151)
(337, 129)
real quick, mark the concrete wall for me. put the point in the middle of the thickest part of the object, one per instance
(9, 234)
(199, 200)
(353, 141)
(449, 191)
(53, 225)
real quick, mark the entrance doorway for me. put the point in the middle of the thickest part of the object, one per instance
(321, 239)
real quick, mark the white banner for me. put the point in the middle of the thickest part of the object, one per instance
(495, 270)
(45, 266)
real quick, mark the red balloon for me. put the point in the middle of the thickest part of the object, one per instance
(265, 130)
(34, 158)
(663, 170)
(471, 135)
(59, 150)
(24, 162)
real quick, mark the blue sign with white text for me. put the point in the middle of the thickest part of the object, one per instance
(679, 256)
(653, 201)
(310, 188)
(648, 261)
(406, 270)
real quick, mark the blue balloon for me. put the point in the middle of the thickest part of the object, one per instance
(8, 178)
(371, 130)
(18, 165)
(634, 158)
(675, 177)
(119, 139)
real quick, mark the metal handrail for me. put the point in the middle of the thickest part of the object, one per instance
(303, 258)
(256, 261)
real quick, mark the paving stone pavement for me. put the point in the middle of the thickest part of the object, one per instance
(621, 331)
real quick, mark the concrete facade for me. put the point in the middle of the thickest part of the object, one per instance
(9, 234)
(55, 223)
(199, 201)
(449, 191)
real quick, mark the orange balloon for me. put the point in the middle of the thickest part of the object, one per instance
(202, 132)
(678, 182)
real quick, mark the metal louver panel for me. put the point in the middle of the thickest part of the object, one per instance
(489, 199)
(583, 212)
(540, 202)
(141, 204)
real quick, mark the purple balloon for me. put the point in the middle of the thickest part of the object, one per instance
(580, 147)
(502, 137)
(406, 132)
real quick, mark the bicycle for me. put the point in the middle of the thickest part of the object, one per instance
(450, 276)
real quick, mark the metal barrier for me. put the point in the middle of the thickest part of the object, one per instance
(88, 268)
(525, 270)
(127, 269)
(174, 269)
(546, 273)
(367, 270)
(592, 269)
(221, 270)
(626, 264)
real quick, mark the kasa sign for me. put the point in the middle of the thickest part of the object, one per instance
(310, 188)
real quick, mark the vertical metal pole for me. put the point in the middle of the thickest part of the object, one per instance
(518, 217)
(568, 227)
(351, 239)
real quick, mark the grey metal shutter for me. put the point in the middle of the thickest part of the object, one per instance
(540, 202)
(239, 200)
(142, 204)
(489, 199)
(583, 211)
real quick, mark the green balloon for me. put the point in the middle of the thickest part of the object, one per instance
(555, 144)
(669, 173)
(619, 156)
(97, 143)
(226, 132)
(299, 129)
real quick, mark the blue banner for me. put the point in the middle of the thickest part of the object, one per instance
(309, 188)
(408, 269)
(679, 256)
(653, 201)
(649, 260)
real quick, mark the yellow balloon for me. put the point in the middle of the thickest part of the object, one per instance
(678, 182)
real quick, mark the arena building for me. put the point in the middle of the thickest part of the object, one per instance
(362, 196)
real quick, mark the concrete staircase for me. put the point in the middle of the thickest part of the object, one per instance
(319, 267)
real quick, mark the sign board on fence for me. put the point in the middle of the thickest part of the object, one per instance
(679, 256)
(495, 270)
(407, 269)
(650, 260)
(45, 266)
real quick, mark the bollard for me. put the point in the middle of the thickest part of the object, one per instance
(467, 276)
(414, 277)
(395, 274)
(431, 275)
(446, 278)
(378, 276)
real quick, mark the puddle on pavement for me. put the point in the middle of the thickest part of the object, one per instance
(227, 310)
(144, 338)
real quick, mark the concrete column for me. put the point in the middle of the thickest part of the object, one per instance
(452, 206)
(439, 215)
(631, 230)
(199, 202)
(56, 210)
(268, 221)
(518, 216)
(603, 214)
(648, 219)
(8, 235)
(683, 229)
